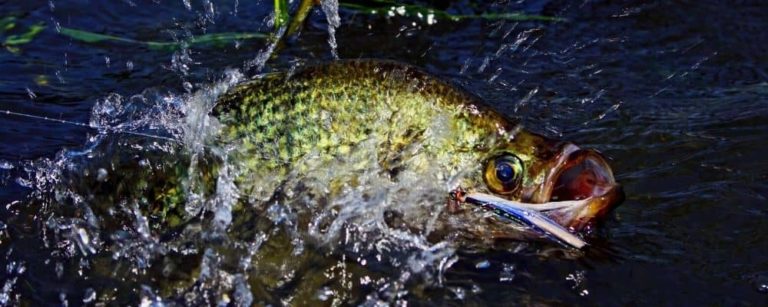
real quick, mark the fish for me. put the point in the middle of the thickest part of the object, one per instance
(367, 169)
(411, 122)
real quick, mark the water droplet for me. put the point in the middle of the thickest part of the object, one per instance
(89, 296)
(83, 241)
(59, 77)
(459, 292)
(484, 264)
(59, 269)
(579, 280)
(149, 298)
(243, 295)
(56, 25)
(129, 66)
(225, 300)
(31, 94)
(465, 66)
(507, 273)
(24, 182)
(762, 288)
(5, 165)
(431, 19)
(324, 294)
(101, 175)
(210, 11)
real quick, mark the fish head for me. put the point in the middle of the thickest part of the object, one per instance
(527, 168)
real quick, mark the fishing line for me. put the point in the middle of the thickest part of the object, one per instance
(84, 125)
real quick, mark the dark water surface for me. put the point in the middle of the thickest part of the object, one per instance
(674, 93)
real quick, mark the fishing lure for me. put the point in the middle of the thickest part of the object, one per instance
(528, 215)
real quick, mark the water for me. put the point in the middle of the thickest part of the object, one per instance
(675, 94)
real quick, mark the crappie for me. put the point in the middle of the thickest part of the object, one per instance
(330, 178)
(411, 124)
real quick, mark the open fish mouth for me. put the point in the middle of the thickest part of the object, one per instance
(576, 193)
(585, 182)
(583, 174)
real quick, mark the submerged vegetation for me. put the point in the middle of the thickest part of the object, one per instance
(212, 40)
(392, 8)
(283, 23)
(11, 36)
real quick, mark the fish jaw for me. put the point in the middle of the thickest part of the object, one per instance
(585, 179)
(585, 213)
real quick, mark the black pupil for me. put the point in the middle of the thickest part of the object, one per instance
(504, 172)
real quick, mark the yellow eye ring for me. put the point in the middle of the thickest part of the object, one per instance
(504, 173)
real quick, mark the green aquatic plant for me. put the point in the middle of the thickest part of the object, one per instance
(301, 14)
(13, 41)
(282, 20)
(26, 37)
(7, 23)
(282, 13)
(212, 39)
(392, 8)
(287, 25)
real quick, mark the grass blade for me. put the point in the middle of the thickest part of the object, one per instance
(212, 39)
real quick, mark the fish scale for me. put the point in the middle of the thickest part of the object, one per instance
(331, 109)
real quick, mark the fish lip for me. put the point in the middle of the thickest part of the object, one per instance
(605, 193)
(571, 158)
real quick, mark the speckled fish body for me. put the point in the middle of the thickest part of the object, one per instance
(412, 118)
(414, 122)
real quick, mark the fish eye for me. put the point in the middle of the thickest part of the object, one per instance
(503, 173)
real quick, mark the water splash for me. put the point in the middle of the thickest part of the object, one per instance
(330, 229)
(12, 271)
(107, 182)
(257, 64)
(331, 10)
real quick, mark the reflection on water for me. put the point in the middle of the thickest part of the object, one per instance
(676, 95)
